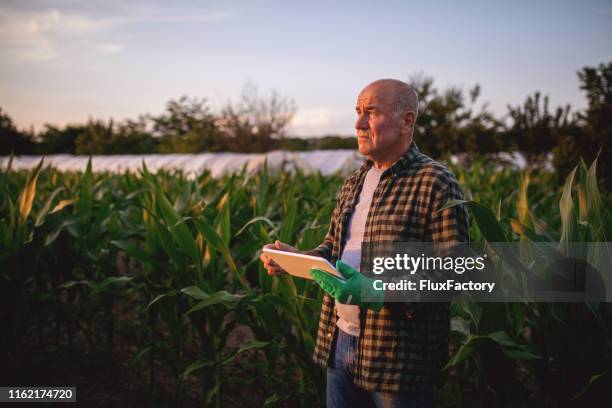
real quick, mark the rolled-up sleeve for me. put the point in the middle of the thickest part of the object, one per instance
(449, 225)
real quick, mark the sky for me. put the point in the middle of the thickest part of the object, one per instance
(66, 61)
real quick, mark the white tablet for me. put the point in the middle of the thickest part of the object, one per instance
(300, 265)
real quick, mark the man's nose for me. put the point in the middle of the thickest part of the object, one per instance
(361, 123)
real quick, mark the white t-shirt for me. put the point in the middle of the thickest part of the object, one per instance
(348, 315)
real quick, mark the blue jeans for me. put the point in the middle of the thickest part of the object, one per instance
(343, 393)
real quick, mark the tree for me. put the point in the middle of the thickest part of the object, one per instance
(96, 138)
(134, 138)
(535, 130)
(296, 144)
(187, 126)
(448, 122)
(330, 142)
(597, 83)
(54, 140)
(11, 139)
(592, 132)
(130, 137)
(254, 124)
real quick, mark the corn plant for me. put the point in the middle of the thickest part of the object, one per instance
(491, 336)
(183, 252)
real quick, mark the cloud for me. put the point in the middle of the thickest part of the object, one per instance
(320, 121)
(110, 48)
(205, 18)
(311, 117)
(34, 36)
(30, 35)
(23, 26)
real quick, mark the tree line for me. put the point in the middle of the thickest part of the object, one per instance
(448, 122)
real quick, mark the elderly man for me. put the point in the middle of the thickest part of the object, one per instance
(390, 354)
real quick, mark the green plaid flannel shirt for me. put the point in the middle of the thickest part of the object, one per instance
(403, 346)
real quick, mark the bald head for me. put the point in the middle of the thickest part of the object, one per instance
(386, 115)
(399, 93)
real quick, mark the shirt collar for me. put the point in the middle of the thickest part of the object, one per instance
(403, 162)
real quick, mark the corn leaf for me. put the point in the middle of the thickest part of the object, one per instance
(568, 217)
(26, 198)
(221, 297)
(42, 214)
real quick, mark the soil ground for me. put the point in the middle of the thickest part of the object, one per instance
(105, 378)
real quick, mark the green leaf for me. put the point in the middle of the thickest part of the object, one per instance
(224, 222)
(42, 214)
(568, 217)
(508, 346)
(195, 292)
(157, 298)
(474, 311)
(135, 251)
(460, 325)
(274, 399)
(519, 354)
(248, 345)
(501, 338)
(596, 206)
(287, 230)
(165, 239)
(111, 283)
(466, 351)
(253, 221)
(198, 365)
(252, 344)
(71, 284)
(215, 241)
(85, 194)
(583, 211)
(55, 233)
(180, 233)
(590, 382)
(493, 233)
(485, 219)
(140, 354)
(221, 297)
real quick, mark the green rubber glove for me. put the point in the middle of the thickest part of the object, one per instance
(349, 292)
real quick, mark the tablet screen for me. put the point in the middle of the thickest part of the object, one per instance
(300, 265)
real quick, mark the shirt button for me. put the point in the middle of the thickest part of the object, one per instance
(329, 335)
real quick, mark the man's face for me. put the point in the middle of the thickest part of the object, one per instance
(380, 130)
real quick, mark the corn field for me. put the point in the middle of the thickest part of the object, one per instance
(182, 255)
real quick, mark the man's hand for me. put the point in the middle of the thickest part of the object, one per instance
(272, 267)
(349, 292)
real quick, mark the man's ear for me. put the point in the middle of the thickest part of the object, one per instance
(408, 120)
